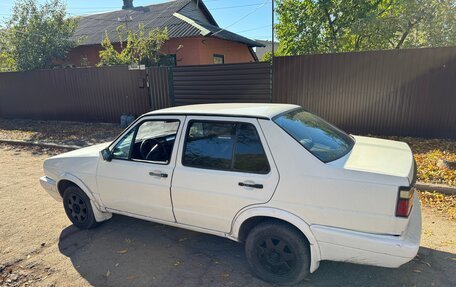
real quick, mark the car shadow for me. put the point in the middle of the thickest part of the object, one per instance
(131, 252)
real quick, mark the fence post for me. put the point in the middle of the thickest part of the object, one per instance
(171, 86)
(149, 87)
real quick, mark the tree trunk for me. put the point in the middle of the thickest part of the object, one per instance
(333, 31)
(406, 33)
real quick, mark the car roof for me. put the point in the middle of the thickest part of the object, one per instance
(255, 110)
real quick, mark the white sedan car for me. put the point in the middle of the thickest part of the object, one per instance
(293, 187)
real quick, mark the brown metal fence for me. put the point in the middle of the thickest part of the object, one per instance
(401, 92)
(161, 87)
(232, 83)
(82, 94)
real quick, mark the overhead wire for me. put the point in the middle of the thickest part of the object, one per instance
(89, 16)
(191, 10)
(242, 18)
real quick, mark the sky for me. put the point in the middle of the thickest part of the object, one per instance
(250, 18)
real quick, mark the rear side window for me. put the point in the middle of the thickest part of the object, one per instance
(319, 137)
(249, 154)
(224, 146)
(210, 145)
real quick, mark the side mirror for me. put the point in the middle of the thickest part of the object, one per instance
(106, 154)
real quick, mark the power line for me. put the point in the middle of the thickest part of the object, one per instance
(100, 9)
(215, 8)
(230, 7)
(242, 18)
(174, 4)
(253, 29)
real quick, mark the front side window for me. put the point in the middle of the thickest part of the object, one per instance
(319, 137)
(151, 140)
(224, 146)
(122, 148)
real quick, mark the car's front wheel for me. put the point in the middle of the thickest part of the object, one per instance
(78, 208)
(278, 253)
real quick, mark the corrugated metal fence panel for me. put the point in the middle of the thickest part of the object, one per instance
(160, 87)
(232, 83)
(82, 94)
(400, 92)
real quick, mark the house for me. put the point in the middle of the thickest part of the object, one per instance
(266, 47)
(194, 36)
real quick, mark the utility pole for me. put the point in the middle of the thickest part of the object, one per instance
(272, 40)
(126, 19)
(272, 52)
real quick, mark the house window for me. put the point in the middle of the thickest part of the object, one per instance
(219, 59)
(168, 60)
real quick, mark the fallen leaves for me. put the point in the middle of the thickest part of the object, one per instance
(427, 263)
(427, 153)
(430, 172)
(60, 132)
(123, 251)
(444, 204)
(177, 263)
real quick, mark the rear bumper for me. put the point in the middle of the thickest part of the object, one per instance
(51, 187)
(371, 249)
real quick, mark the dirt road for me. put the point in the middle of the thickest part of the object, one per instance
(39, 246)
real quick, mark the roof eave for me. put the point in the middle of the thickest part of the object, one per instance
(190, 21)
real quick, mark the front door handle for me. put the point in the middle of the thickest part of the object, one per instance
(253, 185)
(158, 174)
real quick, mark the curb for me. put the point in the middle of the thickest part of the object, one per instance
(441, 188)
(40, 144)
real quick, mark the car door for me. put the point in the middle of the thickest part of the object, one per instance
(223, 165)
(138, 178)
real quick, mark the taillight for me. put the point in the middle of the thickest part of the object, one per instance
(404, 201)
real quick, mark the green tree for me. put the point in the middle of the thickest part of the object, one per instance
(37, 36)
(139, 47)
(325, 26)
(267, 57)
(6, 62)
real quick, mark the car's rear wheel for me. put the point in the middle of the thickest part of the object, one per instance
(278, 253)
(78, 208)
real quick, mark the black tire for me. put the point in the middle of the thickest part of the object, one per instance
(78, 208)
(278, 253)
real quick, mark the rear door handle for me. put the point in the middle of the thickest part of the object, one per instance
(253, 185)
(158, 174)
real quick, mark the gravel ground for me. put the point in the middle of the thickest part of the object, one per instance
(39, 246)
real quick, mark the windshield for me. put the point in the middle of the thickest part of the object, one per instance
(319, 137)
